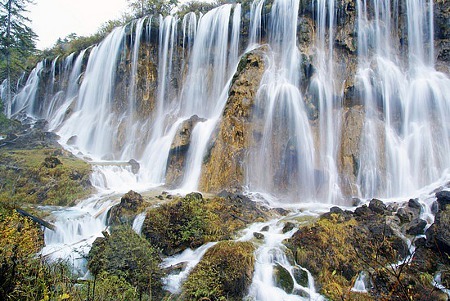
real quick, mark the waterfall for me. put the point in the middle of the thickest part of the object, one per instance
(403, 144)
(94, 104)
(25, 100)
(128, 97)
(209, 59)
(59, 109)
(284, 160)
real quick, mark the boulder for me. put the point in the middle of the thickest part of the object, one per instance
(224, 273)
(438, 235)
(377, 206)
(443, 199)
(134, 166)
(288, 227)
(416, 227)
(178, 151)
(258, 235)
(130, 205)
(283, 278)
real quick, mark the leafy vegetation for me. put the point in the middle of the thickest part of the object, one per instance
(192, 221)
(128, 259)
(224, 273)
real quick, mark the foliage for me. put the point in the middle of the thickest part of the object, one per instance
(25, 178)
(16, 39)
(192, 221)
(196, 7)
(110, 287)
(224, 273)
(142, 8)
(130, 257)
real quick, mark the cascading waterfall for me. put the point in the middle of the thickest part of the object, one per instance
(25, 100)
(322, 88)
(217, 66)
(58, 112)
(93, 106)
(404, 144)
(404, 139)
(284, 160)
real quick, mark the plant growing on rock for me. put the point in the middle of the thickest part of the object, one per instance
(224, 273)
(129, 257)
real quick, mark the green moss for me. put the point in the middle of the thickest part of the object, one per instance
(192, 221)
(26, 178)
(224, 273)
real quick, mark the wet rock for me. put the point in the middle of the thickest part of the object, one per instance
(416, 227)
(134, 166)
(283, 278)
(223, 168)
(301, 276)
(356, 202)
(377, 206)
(363, 211)
(414, 204)
(176, 268)
(434, 207)
(438, 235)
(288, 227)
(178, 151)
(265, 229)
(258, 235)
(443, 199)
(130, 205)
(72, 140)
(404, 215)
(349, 152)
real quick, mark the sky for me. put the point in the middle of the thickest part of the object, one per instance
(53, 19)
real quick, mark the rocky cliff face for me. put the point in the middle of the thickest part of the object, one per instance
(224, 164)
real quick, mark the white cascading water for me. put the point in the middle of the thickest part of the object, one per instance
(25, 100)
(271, 253)
(406, 136)
(284, 159)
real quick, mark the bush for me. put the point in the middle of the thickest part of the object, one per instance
(128, 256)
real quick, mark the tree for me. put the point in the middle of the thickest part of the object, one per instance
(17, 40)
(142, 8)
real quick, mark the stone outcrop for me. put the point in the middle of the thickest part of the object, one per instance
(353, 122)
(193, 220)
(234, 260)
(130, 205)
(342, 244)
(223, 167)
(178, 151)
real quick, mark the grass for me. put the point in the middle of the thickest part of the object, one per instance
(24, 178)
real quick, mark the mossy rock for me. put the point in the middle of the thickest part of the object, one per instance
(224, 273)
(131, 204)
(192, 221)
(283, 278)
(47, 176)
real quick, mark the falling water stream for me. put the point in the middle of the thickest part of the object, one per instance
(403, 149)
